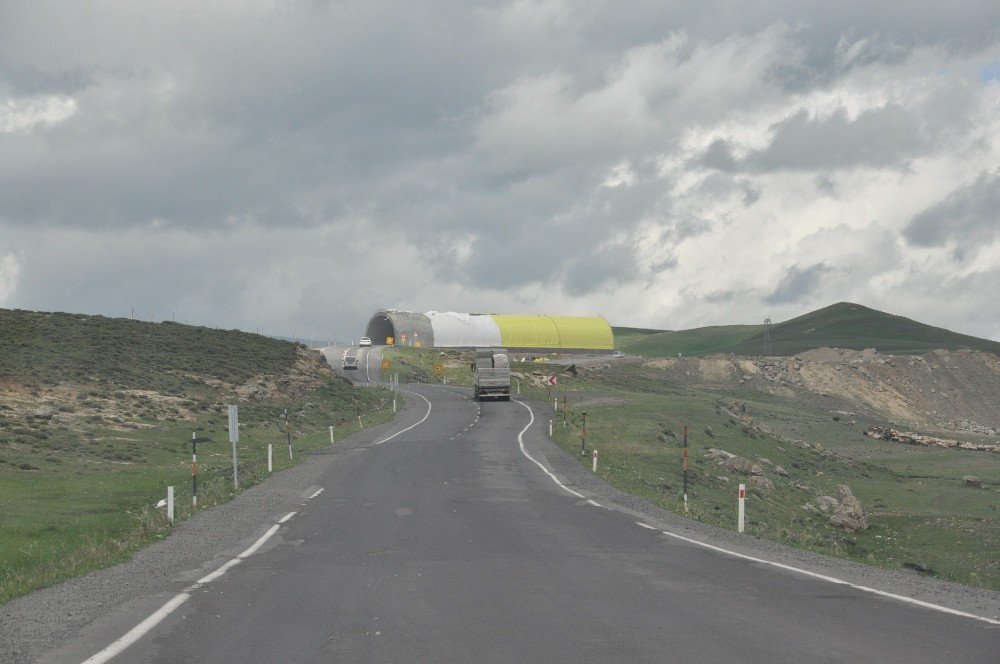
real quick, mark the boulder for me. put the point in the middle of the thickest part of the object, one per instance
(828, 503)
(718, 455)
(850, 515)
(781, 472)
(761, 484)
(972, 480)
(738, 464)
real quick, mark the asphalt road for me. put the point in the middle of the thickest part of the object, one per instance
(369, 371)
(442, 541)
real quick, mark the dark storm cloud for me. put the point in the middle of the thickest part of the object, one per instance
(968, 216)
(797, 284)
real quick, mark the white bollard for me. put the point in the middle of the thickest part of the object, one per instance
(394, 405)
(555, 405)
(742, 514)
(270, 457)
(331, 434)
(170, 503)
(550, 428)
(595, 461)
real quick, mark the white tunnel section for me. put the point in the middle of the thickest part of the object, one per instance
(457, 330)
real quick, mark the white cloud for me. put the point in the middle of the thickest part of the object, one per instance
(25, 115)
(298, 165)
(10, 271)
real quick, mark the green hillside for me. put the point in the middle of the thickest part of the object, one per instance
(841, 325)
(39, 348)
(625, 336)
(847, 325)
(697, 341)
(96, 420)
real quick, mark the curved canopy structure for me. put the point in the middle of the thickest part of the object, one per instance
(450, 329)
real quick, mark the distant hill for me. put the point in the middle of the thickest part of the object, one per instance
(39, 348)
(697, 341)
(841, 325)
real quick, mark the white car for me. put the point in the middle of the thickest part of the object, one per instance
(365, 341)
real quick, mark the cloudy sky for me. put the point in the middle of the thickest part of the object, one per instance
(295, 165)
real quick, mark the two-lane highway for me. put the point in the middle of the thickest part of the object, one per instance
(443, 541)
(369, 371)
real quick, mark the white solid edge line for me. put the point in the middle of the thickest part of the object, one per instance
(208, 578)
(259, 543)
(594, 503)
(138, 631)
(645, 525)
(823, 577)
(520, 442)
(831, 579)
(315, 493)
(422, 420)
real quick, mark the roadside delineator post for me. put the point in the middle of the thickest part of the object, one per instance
(288, 433)
(742, 512)
(270, 457)
(194, 469)
(685, 470)
(331, 434)
(550, 428)
(170, 503)
(234, 437)
(595, 461)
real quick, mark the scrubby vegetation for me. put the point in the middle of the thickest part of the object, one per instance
(96, 420)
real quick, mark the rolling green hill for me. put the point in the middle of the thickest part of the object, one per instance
(41, 348)
(841, 325)
(847, 325)
(697, 341)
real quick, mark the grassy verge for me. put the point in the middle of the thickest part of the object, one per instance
(416, 365)
(78, 515)
(922, 517)
(96, 420)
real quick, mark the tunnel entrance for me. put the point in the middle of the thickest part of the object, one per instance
(379, 329)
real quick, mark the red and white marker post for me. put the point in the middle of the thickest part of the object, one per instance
(742, 512)
(685, 470)
(595, 461)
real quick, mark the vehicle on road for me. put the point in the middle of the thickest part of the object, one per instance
(350, 362)
(365, 341)
(492, 374)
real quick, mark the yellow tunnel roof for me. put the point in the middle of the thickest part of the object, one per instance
(555, 332)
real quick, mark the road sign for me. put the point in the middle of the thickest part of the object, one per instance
(550, 380)
(418, 344)
(386, 364)
(389, 341)
(438, 369)
(234, 426)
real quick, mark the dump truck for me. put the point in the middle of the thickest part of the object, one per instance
(492, 373)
